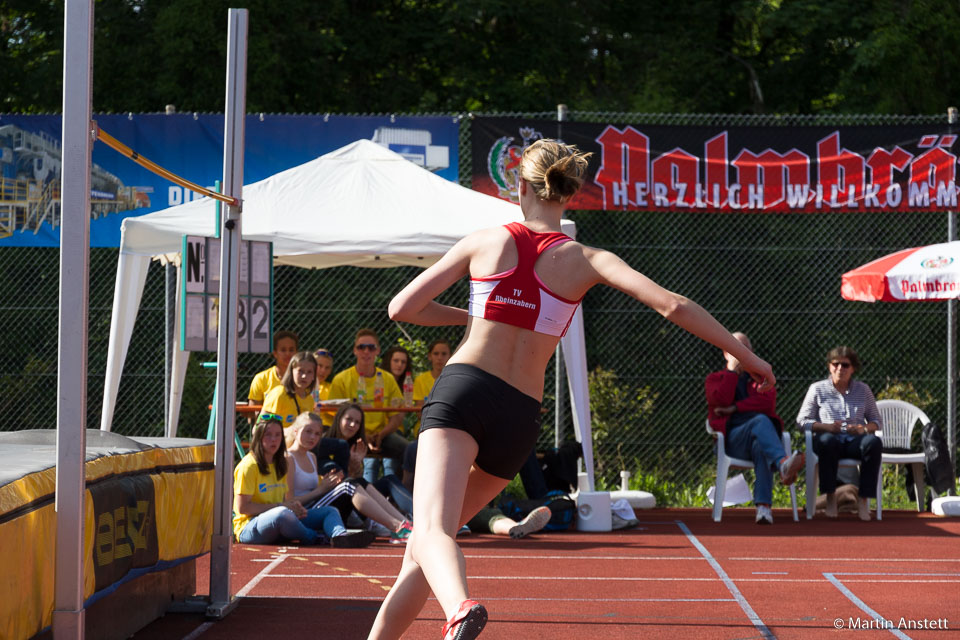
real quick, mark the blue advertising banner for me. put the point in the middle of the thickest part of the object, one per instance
(191, 146)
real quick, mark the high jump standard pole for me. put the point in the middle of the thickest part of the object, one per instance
(77, 147)
(221, 602)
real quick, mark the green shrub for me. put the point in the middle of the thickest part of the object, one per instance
(897, 390)
(417, 348)
(619, 412)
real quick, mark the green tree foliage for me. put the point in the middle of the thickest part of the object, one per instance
(366, 56)
(619, 412)
(31, 55)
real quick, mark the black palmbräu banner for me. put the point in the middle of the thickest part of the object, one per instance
(735, 169)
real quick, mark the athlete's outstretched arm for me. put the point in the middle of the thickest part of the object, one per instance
(415, 303)
(683, 312)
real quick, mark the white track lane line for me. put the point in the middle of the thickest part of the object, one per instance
(731, 587)
(880, 560)
(588, 600)
(247, 588)
(861, 604)
(481, 556)
(579, 578)
(196, 633)
(495, 556)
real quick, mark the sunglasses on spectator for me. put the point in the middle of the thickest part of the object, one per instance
(323, 353)
(270, 417)
(841, 365)
(367, 347)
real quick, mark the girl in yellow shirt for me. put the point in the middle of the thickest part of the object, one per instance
(295, 395)
(264, 512)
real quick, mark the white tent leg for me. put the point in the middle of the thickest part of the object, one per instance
(131, 277)
(575, 358)
(178, 371)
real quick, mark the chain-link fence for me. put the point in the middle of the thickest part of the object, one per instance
(775, 277)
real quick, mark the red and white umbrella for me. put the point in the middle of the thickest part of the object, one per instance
(921, 273)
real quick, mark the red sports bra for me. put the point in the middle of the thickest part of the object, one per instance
(518, 297)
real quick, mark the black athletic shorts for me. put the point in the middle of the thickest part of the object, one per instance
(504, 421)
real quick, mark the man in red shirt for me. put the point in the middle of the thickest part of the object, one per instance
(752, 428)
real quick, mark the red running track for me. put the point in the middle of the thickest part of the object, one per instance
(678, 575)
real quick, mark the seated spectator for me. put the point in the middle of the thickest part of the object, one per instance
(555, 470)
(396, 360)
(438, 352)
(843, 415)
(381, 426)
(264, 512)
(324, 358)
(331, 489)
(409, 465)
(348, 427)
(284, 348)
(295, 394)
(752, 428)
(492, 520)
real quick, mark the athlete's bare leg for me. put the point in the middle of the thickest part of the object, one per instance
(438, 492)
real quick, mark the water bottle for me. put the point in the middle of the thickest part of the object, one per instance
(408, 390)
(361, 390)
(378, 390)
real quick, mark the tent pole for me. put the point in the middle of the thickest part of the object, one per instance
(952, 334)
(952, 356)
(169, 322)
(221, 600)
(557, 405)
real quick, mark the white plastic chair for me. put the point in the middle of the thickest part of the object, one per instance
(725, 463)
(812, 481)
(899, 419)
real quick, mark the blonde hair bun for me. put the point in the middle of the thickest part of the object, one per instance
(555, 170)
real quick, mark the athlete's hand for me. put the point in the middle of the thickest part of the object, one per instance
(761, 372)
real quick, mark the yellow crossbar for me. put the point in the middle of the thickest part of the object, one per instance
(116, 145)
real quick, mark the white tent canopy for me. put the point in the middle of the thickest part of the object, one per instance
(361, 205)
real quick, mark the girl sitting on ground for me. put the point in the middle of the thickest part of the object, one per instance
(349, 426)
(264, 512)
(315, 491)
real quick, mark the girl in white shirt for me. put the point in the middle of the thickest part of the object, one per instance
(313, 490)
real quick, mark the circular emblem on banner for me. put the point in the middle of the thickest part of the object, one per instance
(503, 162)
(938, 262)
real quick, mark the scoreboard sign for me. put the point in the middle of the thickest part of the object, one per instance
(200, 295)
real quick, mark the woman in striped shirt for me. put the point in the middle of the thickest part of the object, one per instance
(843, 415)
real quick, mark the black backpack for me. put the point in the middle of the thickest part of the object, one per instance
(938, 466)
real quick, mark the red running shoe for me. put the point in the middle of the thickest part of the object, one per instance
(467, 623)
